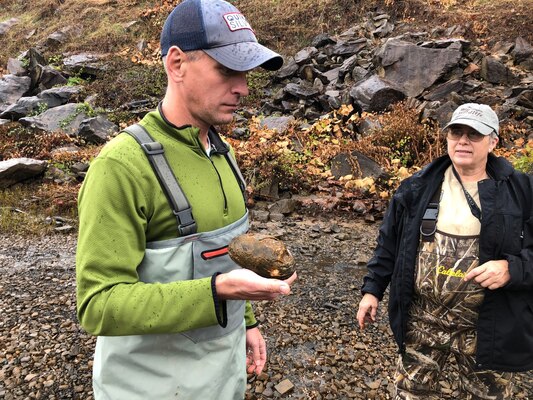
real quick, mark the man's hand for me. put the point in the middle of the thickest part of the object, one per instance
(243, 284)
(492, 275)
(368, 307)
(256, 352)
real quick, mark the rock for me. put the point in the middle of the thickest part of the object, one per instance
(58, 96)
(278, 124)
(283, 206)
(442, 91)
(321, 40)
(348, 66)
(23, 107)
(376, 94)
(415, 68)
(494, 71)
(265, 255)
(368, 126)
(19, 169)
(356, 164)
(12, 88)
(522, 50)
(290, 67)
(15, 67)
(66, 118)
(5, 26)
(501, 48)
(97, 129)
(301, 91)
(349, 48)
(50, 78)
(259, 215)
(86, 64)
(305, 55)
(285, 386)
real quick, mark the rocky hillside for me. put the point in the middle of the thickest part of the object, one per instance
(324, 117)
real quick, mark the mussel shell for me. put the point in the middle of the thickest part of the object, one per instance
(262, 254)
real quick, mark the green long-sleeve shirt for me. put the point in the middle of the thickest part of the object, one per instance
(122, 207)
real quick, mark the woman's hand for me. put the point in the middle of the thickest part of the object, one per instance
(492, 275)
(368, 307)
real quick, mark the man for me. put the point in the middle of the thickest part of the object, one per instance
(154, 280)
(456, 247)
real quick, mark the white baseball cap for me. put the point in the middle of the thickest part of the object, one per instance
(480, 117)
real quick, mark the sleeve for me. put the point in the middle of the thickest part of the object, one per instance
(381, 265)
(521, 265)
(111, 300)
(249, 316)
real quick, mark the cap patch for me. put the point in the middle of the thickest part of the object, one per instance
(470, 111)
(236, 22)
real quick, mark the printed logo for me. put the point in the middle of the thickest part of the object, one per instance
(442, 270)
(471, 111)
(236, 22)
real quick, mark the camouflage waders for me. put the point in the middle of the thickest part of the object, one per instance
(443, 323)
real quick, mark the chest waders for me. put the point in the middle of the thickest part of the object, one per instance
(443, 299)
(205, 363)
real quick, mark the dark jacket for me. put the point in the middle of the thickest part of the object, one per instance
(505, 323)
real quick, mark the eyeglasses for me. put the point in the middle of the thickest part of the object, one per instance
(472, 135)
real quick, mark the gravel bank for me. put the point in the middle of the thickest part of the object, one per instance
(315, 349)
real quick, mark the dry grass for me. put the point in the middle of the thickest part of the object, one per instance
(29, 208)
(402, 137)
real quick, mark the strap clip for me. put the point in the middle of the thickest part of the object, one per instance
(153, 148)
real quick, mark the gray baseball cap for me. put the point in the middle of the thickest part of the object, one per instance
(478, 116)
(220, 30)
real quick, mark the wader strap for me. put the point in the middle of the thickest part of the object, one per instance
(236, 171)
(156, 155)
(429, 220)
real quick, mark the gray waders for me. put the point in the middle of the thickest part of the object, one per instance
(205, 363)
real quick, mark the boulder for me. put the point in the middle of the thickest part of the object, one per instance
(301, 91)
(414, 68)
(356, 164)
(494, 71)
(522, 50)
(50, 77)
(442, 91)
(92, 64)
(17, 170)
(376, 94)
(23, 107)
(66, 118)
(278, 124)
(97, 129)
(12, 88)
(15, 67)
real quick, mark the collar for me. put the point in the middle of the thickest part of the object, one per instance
(217, 145)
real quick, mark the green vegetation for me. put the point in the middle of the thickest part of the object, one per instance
(524, 163)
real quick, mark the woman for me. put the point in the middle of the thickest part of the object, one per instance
(456, 246)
